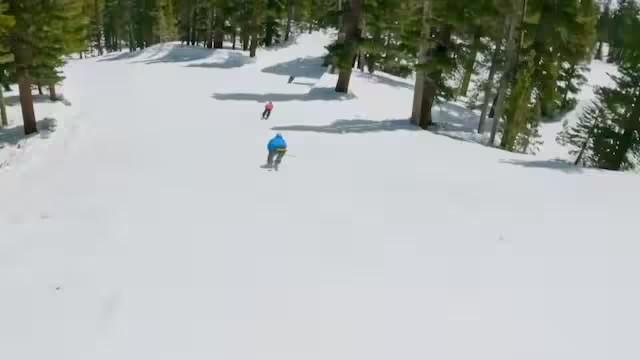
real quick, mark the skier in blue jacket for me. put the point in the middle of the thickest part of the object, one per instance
(277, 148)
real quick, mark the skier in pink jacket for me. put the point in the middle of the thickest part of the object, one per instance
(267, 111)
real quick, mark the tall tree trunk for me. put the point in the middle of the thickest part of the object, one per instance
(470, 63)
(245, 38)
(218, 40)
(98, 18)
(361, 63)
(565, 92)
(234, 36)
(253, 46)
(52, 92)
(599, 51)
(270, 24)
(40, 92)
(511, 56)
(132, 42)
(192, 28)
(4, 121)
(351, 34)
(210, 17)
(287, 31)
(421, 112)
(26, 100)
(488, 87)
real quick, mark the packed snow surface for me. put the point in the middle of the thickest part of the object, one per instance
(143, 227)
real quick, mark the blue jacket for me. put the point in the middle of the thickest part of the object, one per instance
(277, 143)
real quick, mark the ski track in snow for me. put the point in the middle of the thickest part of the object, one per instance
(146, 229)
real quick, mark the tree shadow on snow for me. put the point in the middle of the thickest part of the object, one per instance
(233, 60)
(121, 56)
(14, 100)
(303, 83)
(555, 164)
(355, 126)
(179, 54)
(12, 136)
(316, 94)
(310, 67)
(454, 117)
(379, 79)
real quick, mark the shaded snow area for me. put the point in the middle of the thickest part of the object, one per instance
(145, 228)
(14, 146)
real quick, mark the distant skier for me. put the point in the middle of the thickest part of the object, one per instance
(267, 111)
(277, 147)
(291, 78)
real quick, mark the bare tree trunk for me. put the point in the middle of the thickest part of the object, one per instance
(192, 26)
(287, 31)
(245, 38)
(98, 16)
(511, 52)
(421, 115)
(26, 100)
(351, 33)
(210, 16)
(4, 121)
(488, 88)
(132, 42)
(218, 37)
(52, 92)
(253, 46)
(470, 63)
(599, 51)
(234, 36)
(40, 92)
(361, 63)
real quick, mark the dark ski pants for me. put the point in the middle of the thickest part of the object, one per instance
(266, 114)
(276, 155)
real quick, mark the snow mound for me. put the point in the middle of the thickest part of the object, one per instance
(176, 53)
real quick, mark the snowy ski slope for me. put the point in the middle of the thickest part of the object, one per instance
(144, 227)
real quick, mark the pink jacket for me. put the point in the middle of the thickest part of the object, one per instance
(269, 106)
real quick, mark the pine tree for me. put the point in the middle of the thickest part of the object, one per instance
(479, 22)
(438, 54)
(95, 9)
(6, 23)
(620, 28)
(28, 15)
(604, 22)
(64, 32)
(608, 133)
(570, 81)
(164, 21)
(346, 48)
(553, 32)
(274, 11)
